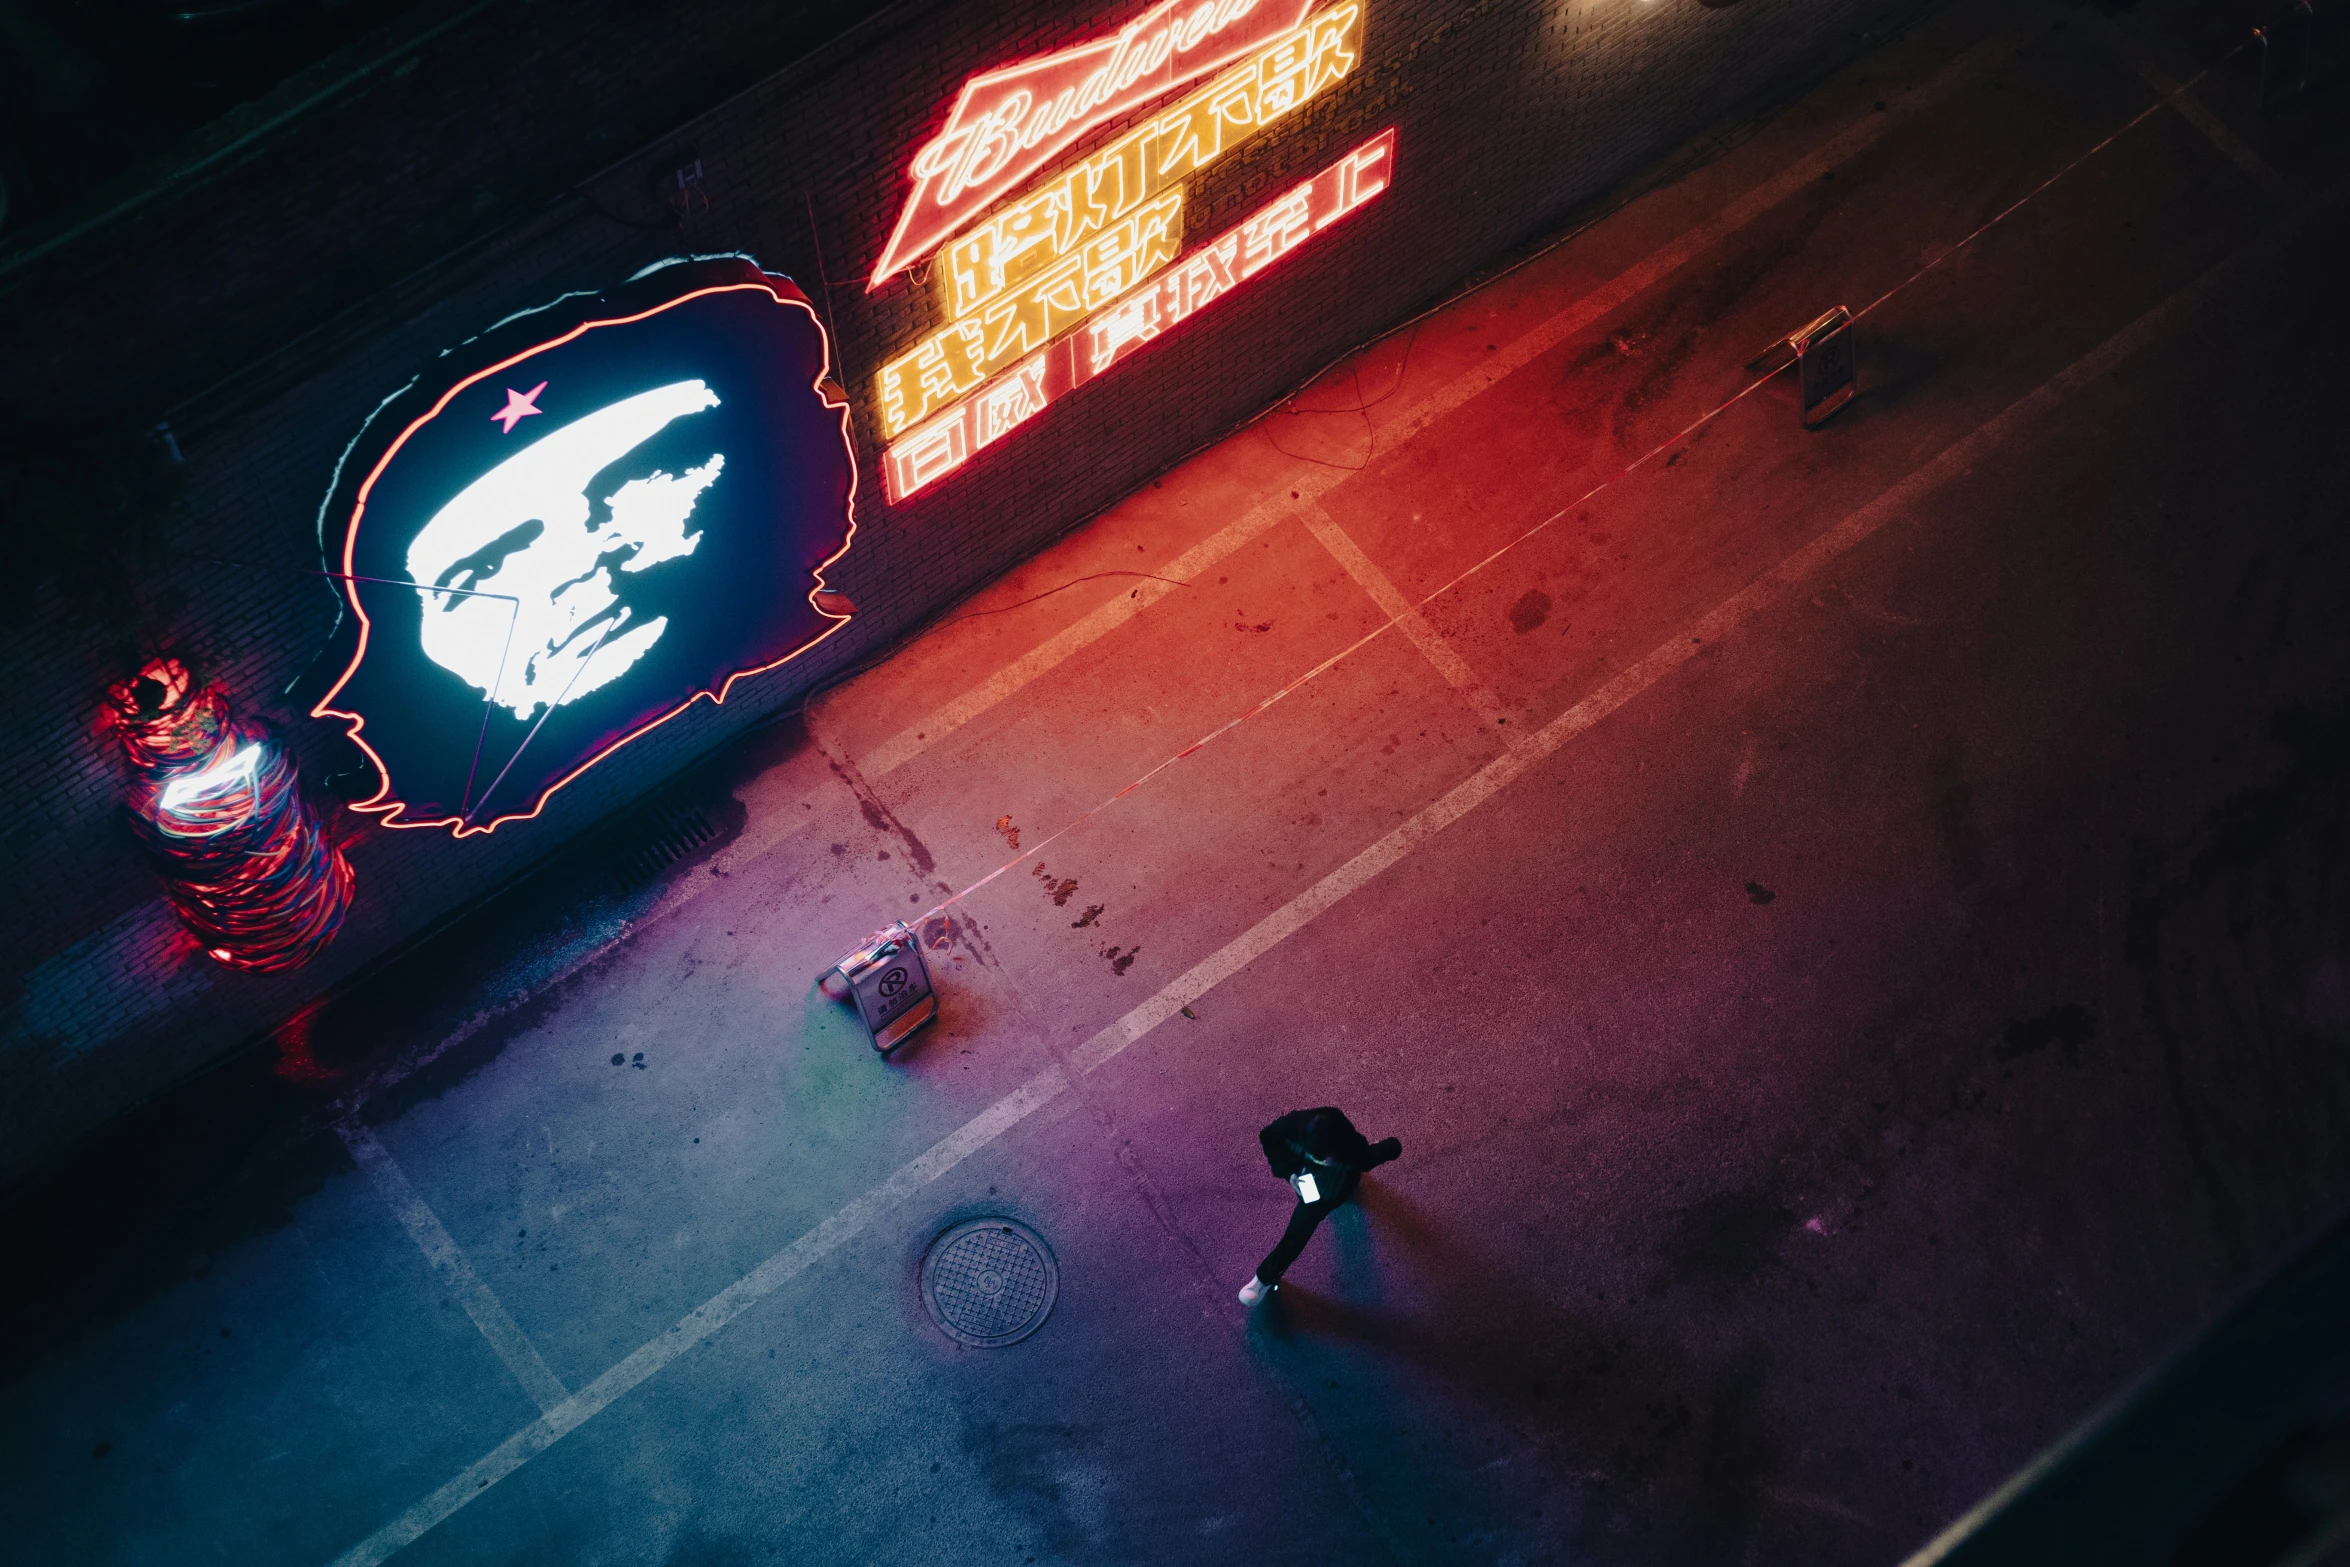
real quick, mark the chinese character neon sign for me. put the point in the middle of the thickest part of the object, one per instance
(1046, 261)
(1203, 276)
(952, 361)
(1008, 123)
(536, 577)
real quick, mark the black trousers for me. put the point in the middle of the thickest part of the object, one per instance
(1302, 1221)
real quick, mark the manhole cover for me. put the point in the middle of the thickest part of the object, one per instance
(989, 1282)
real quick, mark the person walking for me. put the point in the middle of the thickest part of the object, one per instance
(1320, 1153)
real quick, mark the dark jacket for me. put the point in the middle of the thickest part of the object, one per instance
(1325, 1136)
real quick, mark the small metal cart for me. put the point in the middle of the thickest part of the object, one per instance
(890, 984)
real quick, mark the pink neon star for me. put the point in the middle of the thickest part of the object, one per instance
(518, 406)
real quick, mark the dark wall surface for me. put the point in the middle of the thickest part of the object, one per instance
(265, 305)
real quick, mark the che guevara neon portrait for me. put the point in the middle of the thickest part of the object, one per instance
(576, 526)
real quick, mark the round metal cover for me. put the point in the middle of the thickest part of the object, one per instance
(989, 1282)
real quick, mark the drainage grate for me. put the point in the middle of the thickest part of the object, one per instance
(989, 1282)
(655, 836)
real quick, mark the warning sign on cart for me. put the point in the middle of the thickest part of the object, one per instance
(890, 985)
(1823, 351)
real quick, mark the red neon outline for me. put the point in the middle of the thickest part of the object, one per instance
(981, 198)
(391, 808)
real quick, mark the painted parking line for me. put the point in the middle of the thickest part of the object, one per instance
(2191, 109)
(577, 1409)
(1406, 617)
(441, 1250)
(1512, 356)
(1046, 1086)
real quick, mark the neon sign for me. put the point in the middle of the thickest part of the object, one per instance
(547, 623)
(959, 357)
(537, 574)
(1046, 261)
(1008, 123)
(1202, 277)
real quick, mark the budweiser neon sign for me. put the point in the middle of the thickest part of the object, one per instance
(1008, 123)
(1204, 275)
(1040, 264)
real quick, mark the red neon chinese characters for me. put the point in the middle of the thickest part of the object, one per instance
(1007, 123)
(1197, 280)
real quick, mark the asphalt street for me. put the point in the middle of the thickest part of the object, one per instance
(1848, 926)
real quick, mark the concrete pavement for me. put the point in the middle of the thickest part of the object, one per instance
(1845, 925)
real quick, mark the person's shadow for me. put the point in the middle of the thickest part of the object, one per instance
(1671, 1443)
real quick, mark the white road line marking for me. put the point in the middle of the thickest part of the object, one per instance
(2191, 109)
(572, 1412)
(441, 1250)
(1315, 482)
(1408, 619)
(1042, 1089)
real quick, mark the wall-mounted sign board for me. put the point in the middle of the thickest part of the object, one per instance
(1206, 274)
(1083, 236)
(1009, 122)
(578, 524)
(1042, 286)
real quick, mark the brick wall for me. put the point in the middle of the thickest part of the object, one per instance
(1509, 113)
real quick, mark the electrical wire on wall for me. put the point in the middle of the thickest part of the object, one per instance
(215, 802)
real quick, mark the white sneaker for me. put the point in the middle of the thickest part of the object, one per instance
(1254, 1290)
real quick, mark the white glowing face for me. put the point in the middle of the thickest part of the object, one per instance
(522, 530)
